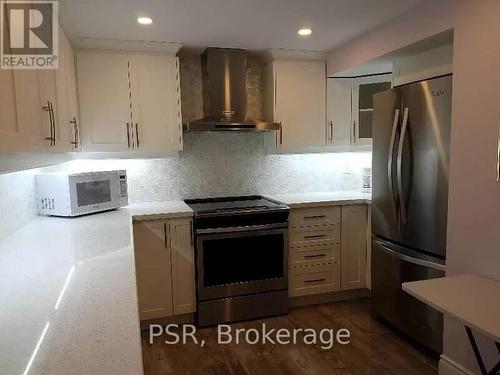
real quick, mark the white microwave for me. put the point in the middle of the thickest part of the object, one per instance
(63, 194)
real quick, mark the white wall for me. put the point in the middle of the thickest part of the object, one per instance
(474, 199)
(421, 22)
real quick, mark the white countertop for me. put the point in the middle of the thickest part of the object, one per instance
(67, 286)
(471, 299)
(95, 328)
(324, 198)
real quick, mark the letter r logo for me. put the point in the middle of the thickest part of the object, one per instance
(29, 31)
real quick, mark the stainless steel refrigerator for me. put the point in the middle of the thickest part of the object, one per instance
(411, 139)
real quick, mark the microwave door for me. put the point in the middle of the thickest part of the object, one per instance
(387, 118)
(92, 193)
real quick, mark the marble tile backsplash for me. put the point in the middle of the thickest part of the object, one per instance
(17, 200)
(212, 164)
(224, 164)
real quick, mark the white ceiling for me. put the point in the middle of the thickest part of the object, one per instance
(252, 24)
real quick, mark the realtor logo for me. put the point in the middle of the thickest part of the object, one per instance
(29, 34)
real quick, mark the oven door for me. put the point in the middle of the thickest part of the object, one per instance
(94, 192)
(241, 260)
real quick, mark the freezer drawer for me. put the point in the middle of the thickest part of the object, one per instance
(392, 266)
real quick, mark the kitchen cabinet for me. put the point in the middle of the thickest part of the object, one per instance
(11, 134)
(153, 270)
(129, 101)
(182, 256)
(350, 109)
(363, 89)
(353, 253)
(33, 105)
(314, 255)
(164, 263)
(295, 94)
(327, 249)
(339, 115)
(67, 104)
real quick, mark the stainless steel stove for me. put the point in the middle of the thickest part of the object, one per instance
(241, 258)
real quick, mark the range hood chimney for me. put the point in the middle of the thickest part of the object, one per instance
(224, 76)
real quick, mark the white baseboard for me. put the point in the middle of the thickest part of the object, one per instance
(448, 366)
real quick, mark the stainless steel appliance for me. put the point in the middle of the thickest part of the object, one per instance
(241, 258)
(411, 138)
(225, 94)
(75, 194)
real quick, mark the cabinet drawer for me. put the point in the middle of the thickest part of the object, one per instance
(314, 280)
(310, 217)
(314, 236)
(300, 256)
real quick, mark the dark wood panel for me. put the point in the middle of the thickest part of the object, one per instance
(375, 348)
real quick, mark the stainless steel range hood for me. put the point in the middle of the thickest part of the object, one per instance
(224, 81)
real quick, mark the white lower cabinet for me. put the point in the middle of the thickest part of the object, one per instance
(327, 249)
(354, 222)
(164, 265)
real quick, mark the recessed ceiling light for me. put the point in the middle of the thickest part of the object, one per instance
(304, 31)
(145, 20)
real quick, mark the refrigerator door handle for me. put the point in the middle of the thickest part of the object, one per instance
(399, 164)
(390, 157)
(409, 259)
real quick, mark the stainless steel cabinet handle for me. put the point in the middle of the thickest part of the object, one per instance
(191, 233)
(498, 156)
(76, 133)
(48, 108)
(314, 217)
(281, 133)
(315, 281)
(331, 131)
(128, 135)
(314, 256)
(390, 157)
(315, 236)
(137, 135)
(354, 131)
(399, 164)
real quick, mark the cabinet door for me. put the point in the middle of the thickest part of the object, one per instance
(363, 90)
(66, 97)
(353, 258)
(339, 91)
(300, 103)
(103, 83)
(33, 120)
(11, 136)
(155, 103)
(153, 270)
(181, 247)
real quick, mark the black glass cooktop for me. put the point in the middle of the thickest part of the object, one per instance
(233, 204)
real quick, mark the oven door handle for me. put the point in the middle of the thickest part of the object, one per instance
(242, 229)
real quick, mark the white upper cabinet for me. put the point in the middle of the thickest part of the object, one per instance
(339, 115)
(156, 113)
(103, 86)
(295, 97)
(33, 105)
(129, 101)
(363, 89)
(11, 134)
(67, 105)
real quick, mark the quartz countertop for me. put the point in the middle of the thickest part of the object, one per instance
(324, 198)
(67, 286)
(68, 289)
